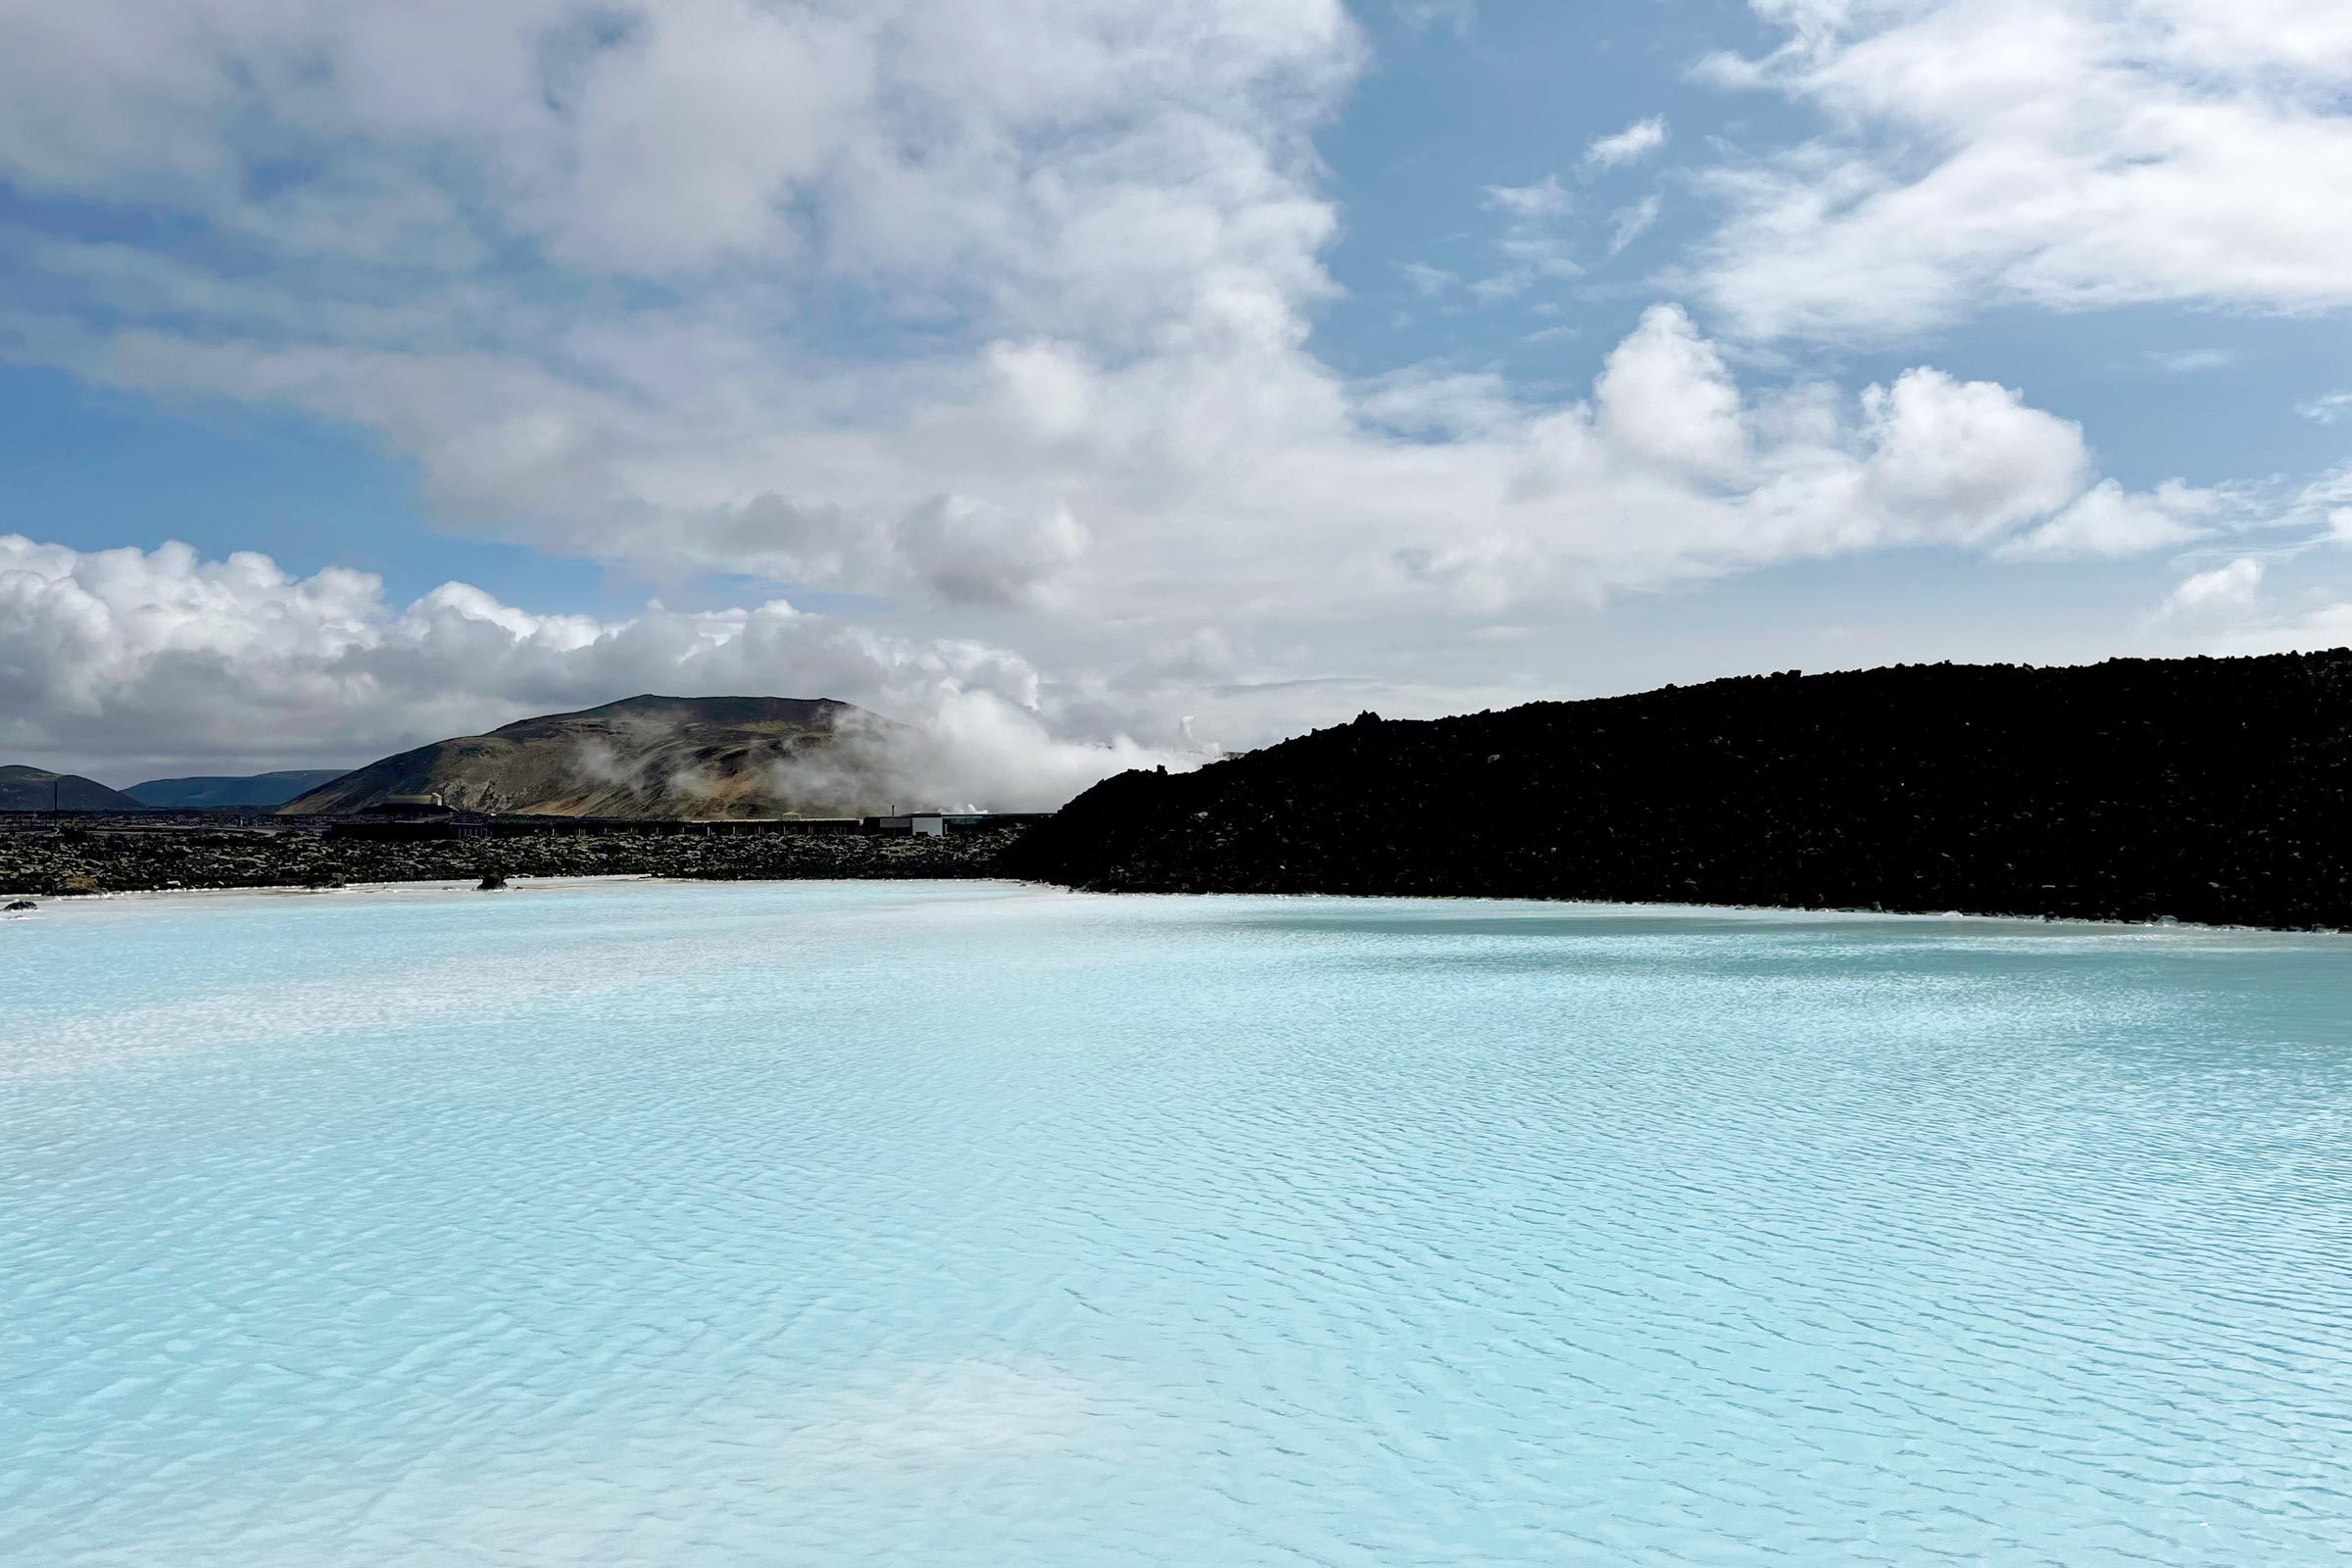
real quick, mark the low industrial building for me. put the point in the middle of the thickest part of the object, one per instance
(937, 824)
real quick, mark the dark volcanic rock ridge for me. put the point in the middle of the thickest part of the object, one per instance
(2207, 789)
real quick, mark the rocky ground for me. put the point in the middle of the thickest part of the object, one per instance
(78, 860)
(2215, 790)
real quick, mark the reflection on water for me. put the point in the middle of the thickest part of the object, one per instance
(966, 1224)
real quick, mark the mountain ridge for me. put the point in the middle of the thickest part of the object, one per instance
(648, 756)
(24, 788)
(256, 791)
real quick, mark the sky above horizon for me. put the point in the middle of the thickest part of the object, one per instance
(1105, 382)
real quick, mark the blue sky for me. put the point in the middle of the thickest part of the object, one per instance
(2166, 389)
(1101, 382)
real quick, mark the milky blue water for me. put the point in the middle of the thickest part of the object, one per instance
(970, 1224)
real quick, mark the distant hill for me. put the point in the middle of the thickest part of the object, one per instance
(2207, 789)
(253, 789)
(31, 789)
(645, 756)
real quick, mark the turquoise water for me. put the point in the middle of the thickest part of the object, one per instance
(971, 1224)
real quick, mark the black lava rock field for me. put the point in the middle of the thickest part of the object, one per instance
(2205, 789)
(83, 861)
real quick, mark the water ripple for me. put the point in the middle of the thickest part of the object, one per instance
(974, 1225)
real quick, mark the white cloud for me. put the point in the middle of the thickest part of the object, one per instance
(2300, 605)
(125, 656)
(1666, 397)
(1421, 16)
(1002, 312)
(2109, 520)
(1245, 494)
(1032, 163)
(1671, 472)
(1630, 223)
(971, 552)
(2068, 152)
(1543, 199)
(2327, 407)
(1637, 141)
(2188, 361)
(2329, 626)
(1428, 281)
(1433, 403)
(1531, 243)
(2229, 589)
(1241, 522)
(1512, 282)
(1969, 459)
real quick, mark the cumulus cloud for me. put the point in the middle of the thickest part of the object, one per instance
(2109, 520)
(1637, 141)
(1317, 503)
(1438, 403)
(2067, 153)
(971, 552)
(2226, 589)
(127, 658)
(2327, 407)
(1102, 230)
(2327, 626)
(1666, 399)
(2294, 601)
(1001, 313)
(1670, 472)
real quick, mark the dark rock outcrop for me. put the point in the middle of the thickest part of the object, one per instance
(2212, 790)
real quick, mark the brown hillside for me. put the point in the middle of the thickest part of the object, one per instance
(693, 758)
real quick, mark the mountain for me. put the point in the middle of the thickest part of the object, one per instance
(2204, 789)
(645, 756)
(30, 789)
(256, 790)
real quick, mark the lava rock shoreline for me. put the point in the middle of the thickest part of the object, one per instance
(2212, 791)
(78, 860)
